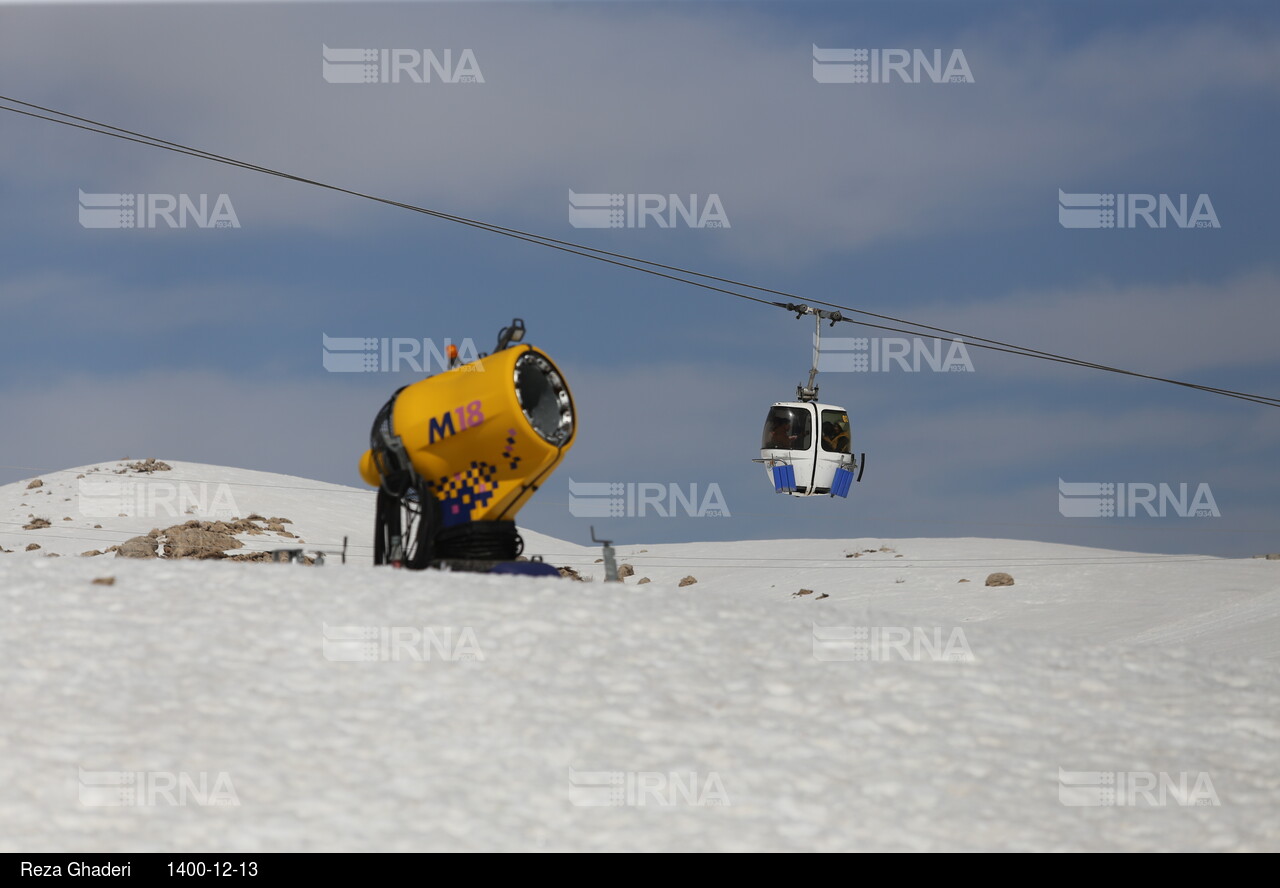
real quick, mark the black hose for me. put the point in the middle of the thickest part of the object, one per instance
(478, 541)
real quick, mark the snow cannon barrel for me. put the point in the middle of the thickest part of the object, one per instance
(482, 436)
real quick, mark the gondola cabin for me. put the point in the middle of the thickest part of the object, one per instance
(807, 449)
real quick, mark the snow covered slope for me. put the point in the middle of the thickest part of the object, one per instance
(353, 708)
(92, 508)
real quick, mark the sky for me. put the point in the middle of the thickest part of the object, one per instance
(938, 202)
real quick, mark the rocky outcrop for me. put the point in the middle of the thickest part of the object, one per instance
(138, 547)
(203, 540)
(198, 542)
(145, 467)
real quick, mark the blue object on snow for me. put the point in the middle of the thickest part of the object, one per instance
(526, 568)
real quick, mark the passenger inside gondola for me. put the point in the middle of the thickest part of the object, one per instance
(787, 428)
(780, 436)
(835, 431)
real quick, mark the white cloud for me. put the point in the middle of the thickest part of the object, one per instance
(1187, 327)
(712, 100)
(313, 429)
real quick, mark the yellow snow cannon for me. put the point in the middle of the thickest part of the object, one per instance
(461, 452)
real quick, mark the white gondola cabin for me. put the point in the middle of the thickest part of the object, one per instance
(806, 447)
(807, 450)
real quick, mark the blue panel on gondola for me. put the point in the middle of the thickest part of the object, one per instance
(784, 478)
(840, 484)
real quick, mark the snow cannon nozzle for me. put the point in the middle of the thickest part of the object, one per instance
(455, 456)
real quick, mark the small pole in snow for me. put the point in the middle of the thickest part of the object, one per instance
(610, 563)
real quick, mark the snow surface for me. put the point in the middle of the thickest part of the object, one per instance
(730, 690)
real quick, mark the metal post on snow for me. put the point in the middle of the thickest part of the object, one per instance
(610, 562)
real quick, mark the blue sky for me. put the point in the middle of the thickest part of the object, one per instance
(935, 202)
